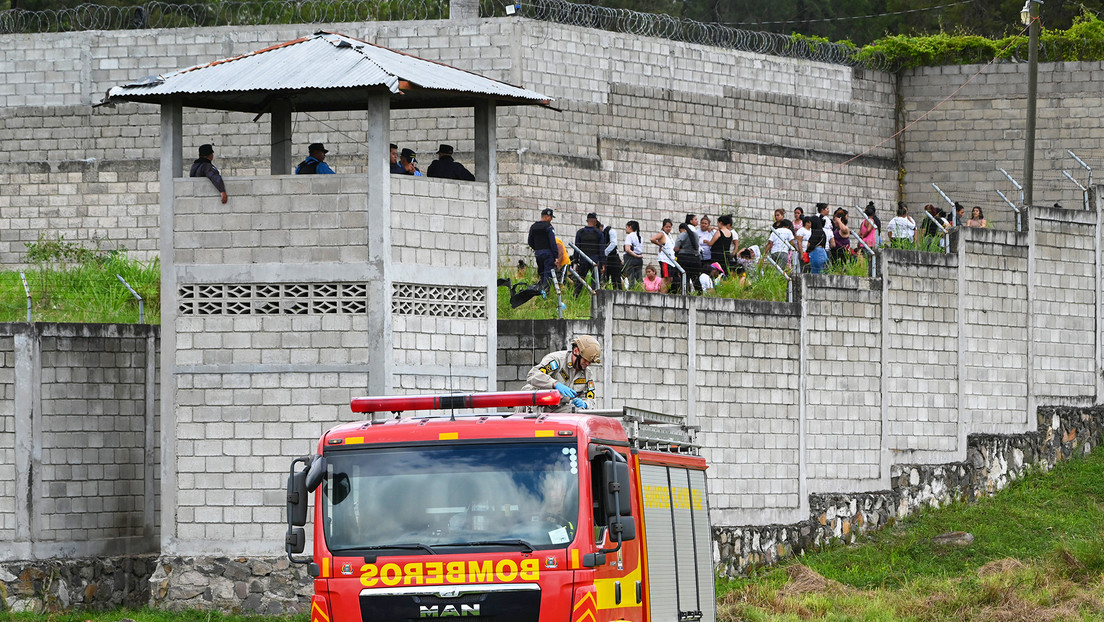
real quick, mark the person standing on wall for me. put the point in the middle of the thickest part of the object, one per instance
(203, 167)
(314, 164)
(447, 168)
(542, 239)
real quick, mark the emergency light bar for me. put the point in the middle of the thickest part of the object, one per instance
(501, 399)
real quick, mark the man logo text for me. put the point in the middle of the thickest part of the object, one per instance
(448, 611)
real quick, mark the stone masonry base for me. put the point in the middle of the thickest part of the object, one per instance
(992, 462)
(96, 583)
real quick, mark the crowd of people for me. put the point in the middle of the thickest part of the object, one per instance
(709, 252)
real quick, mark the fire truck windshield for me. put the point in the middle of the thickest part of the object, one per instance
(522, 494)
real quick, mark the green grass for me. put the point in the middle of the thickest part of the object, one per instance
(1038, 554)
(147, 615)
(85, 292)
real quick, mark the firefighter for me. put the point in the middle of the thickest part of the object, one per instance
(566, 371)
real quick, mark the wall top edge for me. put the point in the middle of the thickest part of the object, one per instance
(919, 258)
(73, 329)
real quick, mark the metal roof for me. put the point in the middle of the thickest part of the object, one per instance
(326, 71)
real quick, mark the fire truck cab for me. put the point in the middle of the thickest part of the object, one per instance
(510, 516)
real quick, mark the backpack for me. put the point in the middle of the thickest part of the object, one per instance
(307, 168)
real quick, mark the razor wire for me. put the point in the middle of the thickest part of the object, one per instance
(665, 26)
(245, 13)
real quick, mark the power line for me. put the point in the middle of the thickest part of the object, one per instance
(843, 19)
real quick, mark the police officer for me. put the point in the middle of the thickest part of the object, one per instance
(566, 371)
(542, 239)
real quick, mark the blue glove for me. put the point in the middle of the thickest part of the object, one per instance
(565, 390)
(579, 403)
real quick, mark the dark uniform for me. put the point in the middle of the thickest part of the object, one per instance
(542, 239)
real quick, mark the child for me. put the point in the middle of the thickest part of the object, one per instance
(652, 282)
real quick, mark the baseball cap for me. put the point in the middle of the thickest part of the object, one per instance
(317, 147)
(592, 215)
(547, 212)
(206, 150)
(444, 149)
(409, 155)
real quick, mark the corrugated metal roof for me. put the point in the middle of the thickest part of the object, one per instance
(317, 72)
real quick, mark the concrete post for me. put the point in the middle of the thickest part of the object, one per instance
(280, 130)
(172, 167)
(486, 170)
(379, 245)
(149, 457)
(27, 461)
(1094, 201)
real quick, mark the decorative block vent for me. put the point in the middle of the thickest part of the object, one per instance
(273, 298)
(438, 300)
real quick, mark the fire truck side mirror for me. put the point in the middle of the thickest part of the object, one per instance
(297, 498)
(623, 526)
(615, 474)
(296, 541)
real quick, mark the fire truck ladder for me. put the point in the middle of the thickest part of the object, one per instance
(654, 431)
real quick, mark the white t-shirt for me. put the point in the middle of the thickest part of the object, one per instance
(706, 282)
(633, 241)
(902, 227)
(780, 239)
(803, 239)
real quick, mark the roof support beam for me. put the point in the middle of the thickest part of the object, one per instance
(486, 170)
(280, 123)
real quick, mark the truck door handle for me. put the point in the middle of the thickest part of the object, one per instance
(617, 592)
(639, 593)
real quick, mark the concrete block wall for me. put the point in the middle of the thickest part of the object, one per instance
(1063, 304)
(439, 223)
(78, 438)
(921, 356)
(747, 402)
(994, 302)
(93, 423)
(650, 356)
(315, 218)
(962, 142)
(842, 382)
(627, 135)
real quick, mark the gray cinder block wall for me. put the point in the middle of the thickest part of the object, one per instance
(80, 463)
(647, 128)
(864, 377)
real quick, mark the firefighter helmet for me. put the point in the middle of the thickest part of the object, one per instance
(589, 348)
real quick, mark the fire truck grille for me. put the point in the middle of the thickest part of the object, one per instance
(492, 606)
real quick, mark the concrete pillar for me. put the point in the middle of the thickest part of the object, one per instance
(149, 458)
(1095, 204)
(27, 443)
(486, 170)
(379, 245)
(172, 167)
(280, 129)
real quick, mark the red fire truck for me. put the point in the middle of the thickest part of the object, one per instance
(504, 516)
